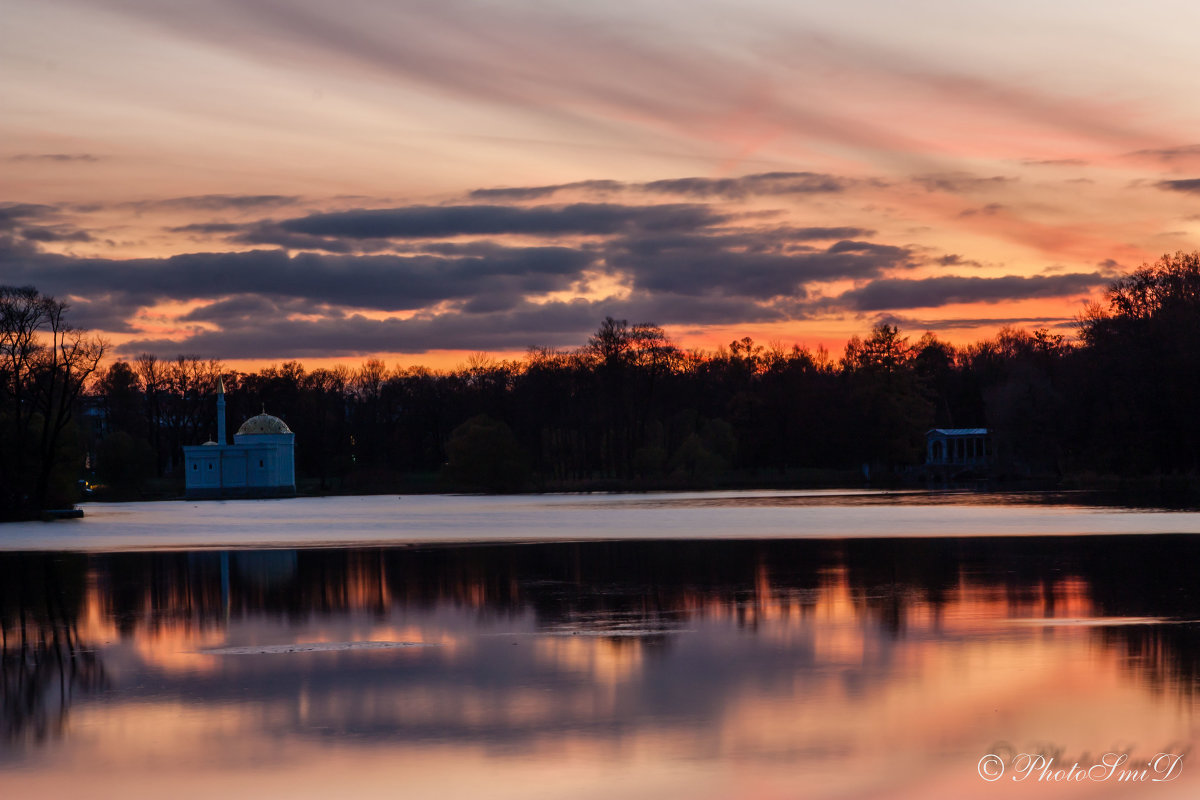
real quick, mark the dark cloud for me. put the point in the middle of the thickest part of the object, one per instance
(38, 223)
(272, 235)
(960, 182)
(687, 264)
(889, 252)
(655, 227)
(13, 215)
(208, 228)
(476, 247)
(214, 202)
(1055, 162)
(699, 266)
(74, 158)
(387, 283)
(986, 211)
(419, 222)
(247, 308)
(456, 275)
(890, 293)
(902, 321)
(766, 183)
(1189, 185)
(539, 192)
(955, 260)
(367, 230)
(1170, 154)
(101, 312)
(824, 233)
(55, 233)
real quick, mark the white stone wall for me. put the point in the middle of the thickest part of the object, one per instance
(270, 458)
(202, 467)
(253, 461)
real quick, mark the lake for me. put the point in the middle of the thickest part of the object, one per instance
(707, 645)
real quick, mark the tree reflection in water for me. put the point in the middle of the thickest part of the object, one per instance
(43, 661)
(895, 589)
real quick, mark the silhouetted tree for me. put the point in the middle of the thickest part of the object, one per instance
(44, 364)
(890, 411)
(1140, 374)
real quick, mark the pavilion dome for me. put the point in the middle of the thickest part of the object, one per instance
(263, 424)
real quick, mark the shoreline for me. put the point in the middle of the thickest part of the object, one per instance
(1179, 487)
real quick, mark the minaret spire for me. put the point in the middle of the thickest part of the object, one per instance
(221, 410)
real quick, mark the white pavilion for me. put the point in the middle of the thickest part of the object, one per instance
(261, 462)
(959, 447)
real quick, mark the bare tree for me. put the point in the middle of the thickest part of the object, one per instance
(44, 365)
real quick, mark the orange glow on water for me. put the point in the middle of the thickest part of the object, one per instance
(828, 687)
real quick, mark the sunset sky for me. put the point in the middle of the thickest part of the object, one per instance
(263, 180)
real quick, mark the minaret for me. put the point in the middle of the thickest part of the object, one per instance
(221, 411)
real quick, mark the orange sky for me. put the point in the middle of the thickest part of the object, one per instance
(259, 182)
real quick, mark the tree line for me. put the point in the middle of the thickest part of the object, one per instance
(630, 408)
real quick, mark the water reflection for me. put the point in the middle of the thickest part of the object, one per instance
(44, 661)
(831, 665)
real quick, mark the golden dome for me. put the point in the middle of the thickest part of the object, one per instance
(263, 424)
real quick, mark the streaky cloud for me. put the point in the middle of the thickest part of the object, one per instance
(767, 183)
(379, 282)
(956, 260)
(696, 266)
(208, 228)
(892, 293)
(1055, 162)
(213, 202)
(1187, 185)
(961, 182)
(1170, 154)
(761, 184)
(14, 214)
(950, 323)
(55, 233)
(420, 222)
(36, 222)
(538, 192)
(60, 158)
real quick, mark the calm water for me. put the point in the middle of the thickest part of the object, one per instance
(851, 657)
(418, 519)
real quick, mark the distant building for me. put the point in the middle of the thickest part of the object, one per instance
(261, 462)
(959, 448)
